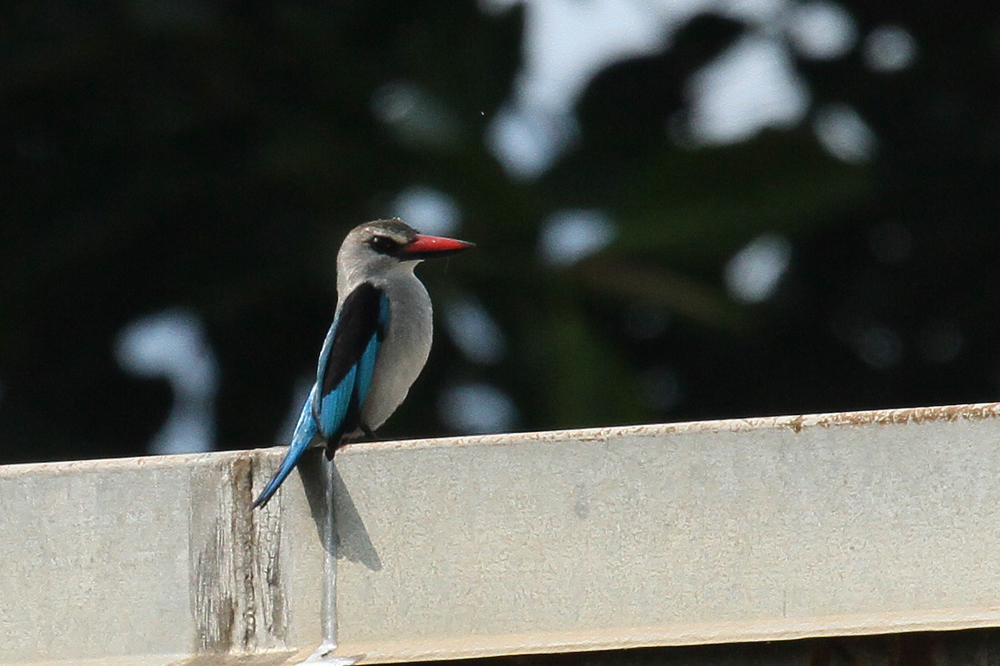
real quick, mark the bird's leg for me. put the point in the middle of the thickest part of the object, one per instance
(367, 435)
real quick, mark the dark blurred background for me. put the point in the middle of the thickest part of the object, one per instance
(683, 209)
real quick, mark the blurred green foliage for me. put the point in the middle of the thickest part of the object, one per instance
(212, 155)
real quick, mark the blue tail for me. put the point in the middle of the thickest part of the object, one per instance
(305, 433)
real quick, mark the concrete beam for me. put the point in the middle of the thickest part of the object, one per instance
(149, 561)
(681, 534)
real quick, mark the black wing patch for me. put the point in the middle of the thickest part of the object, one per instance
(347, 361)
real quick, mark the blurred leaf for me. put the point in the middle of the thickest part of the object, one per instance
(698, 205)
(661, 288)
(575, 377)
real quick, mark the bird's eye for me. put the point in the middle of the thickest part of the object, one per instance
(383, 245)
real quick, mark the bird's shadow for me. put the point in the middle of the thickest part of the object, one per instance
(346, 535)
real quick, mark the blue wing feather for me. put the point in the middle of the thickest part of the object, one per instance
(366, 364)
(305, 433)
(344, 376)
(336, 403)
(315, 397)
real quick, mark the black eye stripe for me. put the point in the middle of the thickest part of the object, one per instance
(384, 245)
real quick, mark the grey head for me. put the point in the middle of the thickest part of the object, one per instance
(374, 251)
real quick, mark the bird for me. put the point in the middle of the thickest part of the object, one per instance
(377, 345)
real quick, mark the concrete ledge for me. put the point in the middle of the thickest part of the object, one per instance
(152, 561)
(713, 532)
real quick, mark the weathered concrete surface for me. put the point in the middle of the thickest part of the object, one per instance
(729, 531)
(716, 532)
(153, 561)
(977, 647)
